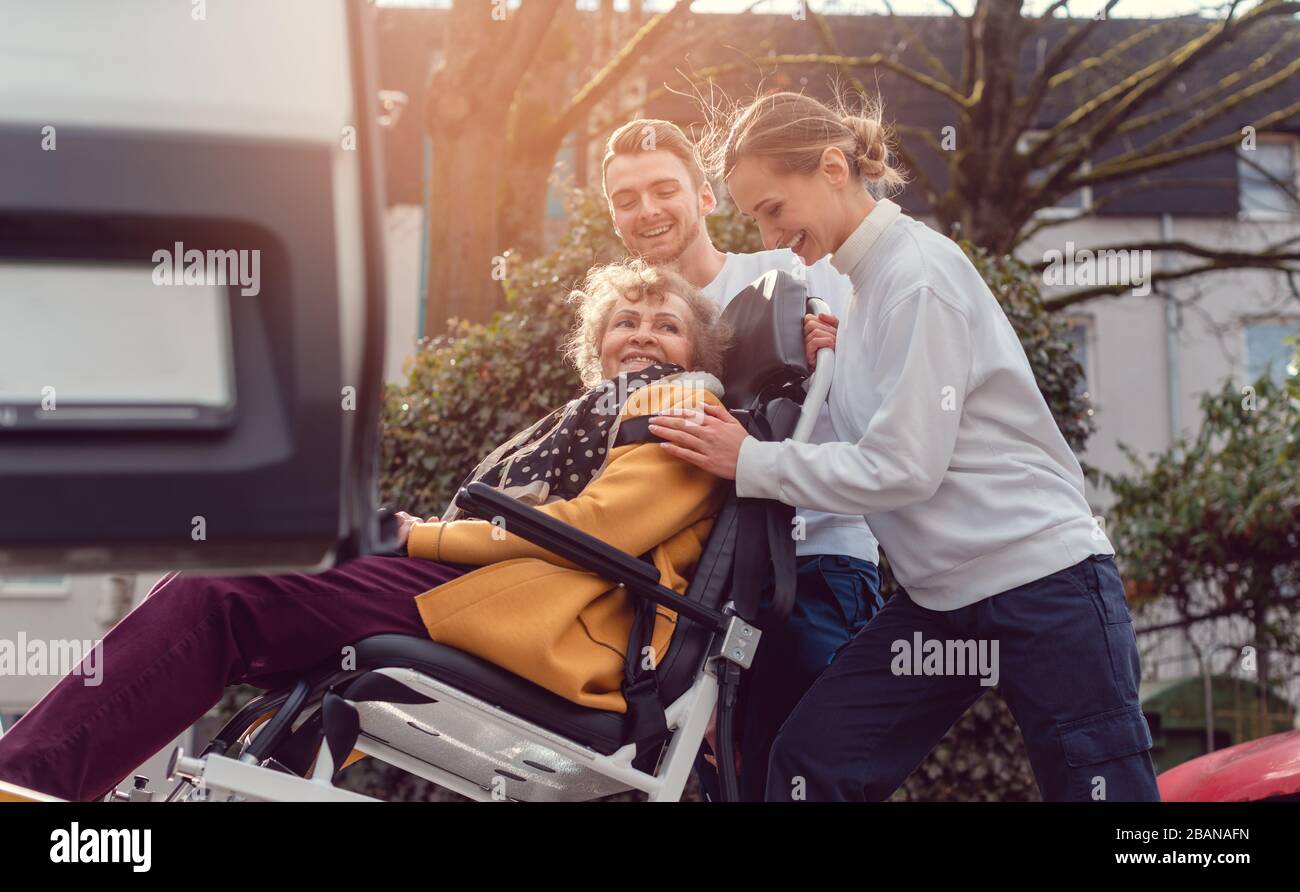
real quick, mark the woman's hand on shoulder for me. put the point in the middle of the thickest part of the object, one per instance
(707, 436)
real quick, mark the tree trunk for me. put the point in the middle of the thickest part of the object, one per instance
(1262, 642)
(468, 102)
(554, 76)
(465, 194)
(523, 215)
(987, 216)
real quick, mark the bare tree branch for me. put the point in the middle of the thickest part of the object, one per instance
(1092, 62)
(979, 30)
(1188, 620)
(875, 60)
(968, 57)
(1198, 99)
(1207, 116)
(1047, 13)
(1024, 109)
(1122, 98)
(614, 70)
(1272, 258)
(832, 46)
(528, 26)
(1111, 171)
(1056, 59)
(1273, 254)
(1149, 83)
(936, 64)
(1055, 304)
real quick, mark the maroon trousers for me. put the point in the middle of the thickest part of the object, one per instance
(170, 659)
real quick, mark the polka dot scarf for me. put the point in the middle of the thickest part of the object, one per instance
(559, 455)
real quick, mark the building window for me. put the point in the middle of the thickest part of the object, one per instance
(1077, 203)
(1267, 349)
(1079, 332)
(1267, 177)
(33, 586)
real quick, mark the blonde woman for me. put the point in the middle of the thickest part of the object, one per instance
(640, 329)
(962, 473)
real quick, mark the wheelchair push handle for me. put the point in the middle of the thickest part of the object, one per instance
(819, 383)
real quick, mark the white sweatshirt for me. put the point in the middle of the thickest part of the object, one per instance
(823, 533)
(953, 455)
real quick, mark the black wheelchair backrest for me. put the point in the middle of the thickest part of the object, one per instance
(767, 352)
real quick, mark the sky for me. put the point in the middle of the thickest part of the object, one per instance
(1078, 8)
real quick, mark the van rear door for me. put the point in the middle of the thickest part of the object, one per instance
(191, 291)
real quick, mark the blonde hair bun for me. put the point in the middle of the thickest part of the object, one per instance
(873, 147)
(790, 131)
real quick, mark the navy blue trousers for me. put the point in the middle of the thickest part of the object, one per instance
(837, 595)
(1067, 666)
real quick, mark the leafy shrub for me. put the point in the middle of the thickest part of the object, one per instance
(1213, 523)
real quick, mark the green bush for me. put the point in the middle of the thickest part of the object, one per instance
(1213, 523)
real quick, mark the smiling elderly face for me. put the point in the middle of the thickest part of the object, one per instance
(642, 332)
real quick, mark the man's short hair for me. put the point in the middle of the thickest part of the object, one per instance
(650, 135)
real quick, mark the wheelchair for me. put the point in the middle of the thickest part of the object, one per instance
(467, 725)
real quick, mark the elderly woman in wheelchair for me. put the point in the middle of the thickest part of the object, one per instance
(516, 623)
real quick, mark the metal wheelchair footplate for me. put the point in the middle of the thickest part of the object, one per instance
(480, 750)
(739, 642)
(218, 778)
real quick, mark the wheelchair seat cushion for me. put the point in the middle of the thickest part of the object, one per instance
(598, 729)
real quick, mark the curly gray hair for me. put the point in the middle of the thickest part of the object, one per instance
(637, 280)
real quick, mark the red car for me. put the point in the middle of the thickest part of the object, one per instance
(1254, 771)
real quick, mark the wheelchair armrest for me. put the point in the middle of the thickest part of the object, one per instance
(583, 549)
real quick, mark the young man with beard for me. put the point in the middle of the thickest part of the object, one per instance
(658, 198)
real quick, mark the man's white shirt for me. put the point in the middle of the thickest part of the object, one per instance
(823, 533)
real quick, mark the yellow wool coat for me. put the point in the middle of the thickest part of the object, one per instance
(542, 618)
